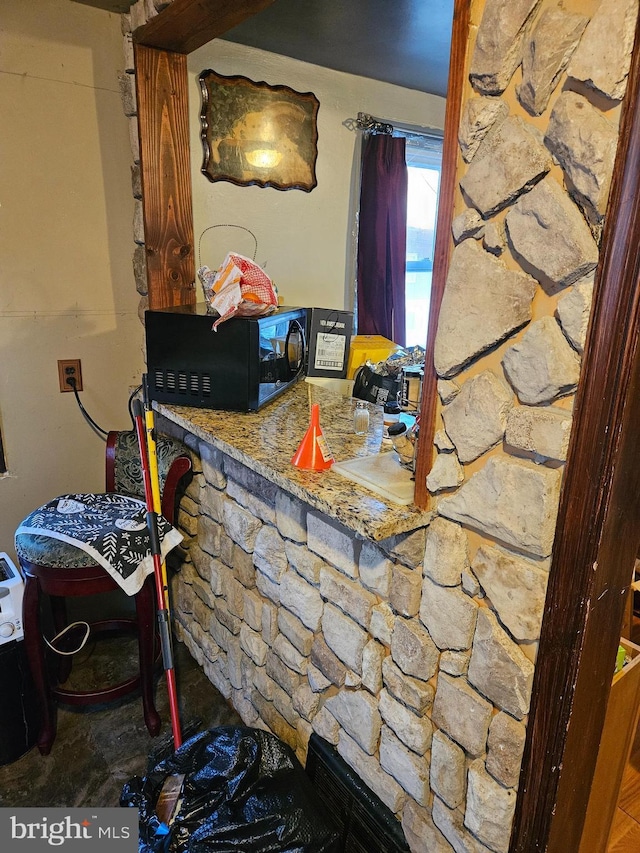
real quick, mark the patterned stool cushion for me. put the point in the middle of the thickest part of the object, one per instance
(46, 551)
(111, 528)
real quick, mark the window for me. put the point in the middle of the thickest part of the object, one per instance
(424, 159)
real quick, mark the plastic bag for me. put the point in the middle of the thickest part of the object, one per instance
(381, 382)
(238, 287)
(244, 789)
(375, 386)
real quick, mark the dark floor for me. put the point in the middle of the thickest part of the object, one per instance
(97, 750)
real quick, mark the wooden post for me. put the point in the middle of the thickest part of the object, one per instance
(446, 199)
(163, 121)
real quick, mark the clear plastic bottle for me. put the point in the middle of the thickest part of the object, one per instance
(361, 418)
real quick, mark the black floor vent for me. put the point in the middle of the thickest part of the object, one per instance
(366, 824)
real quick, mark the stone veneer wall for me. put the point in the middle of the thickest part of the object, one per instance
(306, 627)
(537, 139)
(416, 656)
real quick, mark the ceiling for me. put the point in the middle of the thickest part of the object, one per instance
(405, 42)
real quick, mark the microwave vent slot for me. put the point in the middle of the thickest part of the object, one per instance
(189, 384)
(200, 384)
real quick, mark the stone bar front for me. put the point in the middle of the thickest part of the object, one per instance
(313, 605)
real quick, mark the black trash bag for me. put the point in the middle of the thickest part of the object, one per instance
(244, 792)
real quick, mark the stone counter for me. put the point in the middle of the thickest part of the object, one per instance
(305, 623)
(265, 441)
(302, 621)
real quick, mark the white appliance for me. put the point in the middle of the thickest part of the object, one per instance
(11, 593)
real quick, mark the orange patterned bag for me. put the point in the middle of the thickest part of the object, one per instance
(239, 288)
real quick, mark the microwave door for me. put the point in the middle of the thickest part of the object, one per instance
(282, 352)
(295, 349)
(282, 355)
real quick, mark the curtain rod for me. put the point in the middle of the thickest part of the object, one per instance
(371, 124)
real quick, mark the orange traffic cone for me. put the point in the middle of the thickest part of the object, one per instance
(313, 454)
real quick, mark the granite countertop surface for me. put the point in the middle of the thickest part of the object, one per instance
(265, 441)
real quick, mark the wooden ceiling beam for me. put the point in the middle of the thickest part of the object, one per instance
(186, 25)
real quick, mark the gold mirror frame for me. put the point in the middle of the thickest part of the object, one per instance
(254, 134)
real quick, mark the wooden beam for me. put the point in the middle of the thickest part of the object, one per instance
(186, 25)
(597, 532)
(163, 120)
(446, 199)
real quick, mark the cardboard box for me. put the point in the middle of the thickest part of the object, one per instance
(373, 348)
(329, 342)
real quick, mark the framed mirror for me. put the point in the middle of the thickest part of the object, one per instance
(257, 134)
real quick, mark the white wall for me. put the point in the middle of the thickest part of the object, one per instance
(67, 288)
(66, 209)
(303, 237)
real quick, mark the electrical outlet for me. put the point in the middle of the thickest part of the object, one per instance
(70, 369)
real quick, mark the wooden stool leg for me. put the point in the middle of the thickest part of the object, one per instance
(34, 647)
(59, 612)
(146, 614)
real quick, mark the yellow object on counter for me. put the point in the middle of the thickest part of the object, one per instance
(373, 348)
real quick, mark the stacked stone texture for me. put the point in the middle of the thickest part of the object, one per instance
(415, 656)
(512, 331)
(140, 12)
(305, 628)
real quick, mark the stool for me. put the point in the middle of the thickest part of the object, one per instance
(59, 570)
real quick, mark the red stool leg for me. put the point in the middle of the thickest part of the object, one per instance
(146, 615)
(34, 647)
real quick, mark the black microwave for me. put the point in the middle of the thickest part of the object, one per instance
(243, 365)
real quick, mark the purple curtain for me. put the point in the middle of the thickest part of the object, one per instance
(382, 237)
